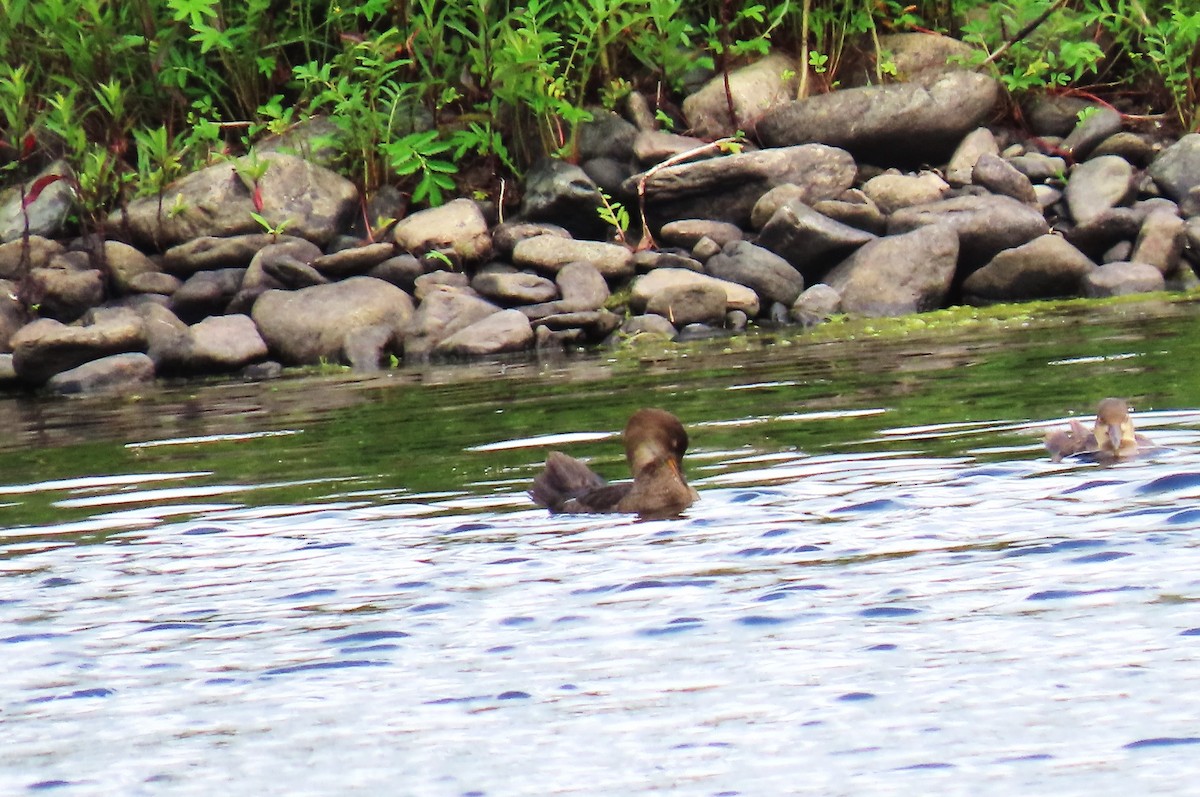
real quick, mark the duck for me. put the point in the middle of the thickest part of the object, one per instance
(1112, 436)
(655, 442)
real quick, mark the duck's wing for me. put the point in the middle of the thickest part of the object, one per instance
(562, 481)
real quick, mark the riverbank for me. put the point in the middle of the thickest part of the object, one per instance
(256, 264)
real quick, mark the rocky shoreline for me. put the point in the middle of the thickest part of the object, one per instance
(868, 201)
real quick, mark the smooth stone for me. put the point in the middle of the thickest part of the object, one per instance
(1091, 130)
(974, 145)
(737, 297)
(457, 226)
(1160, 242)
(112, 374)
(892, 191)
(688, 304)
(755, 89)
(47, 347)
(206, 293)
(124, 263)
(1176, 172)
(516, 288)
(208, 253)
(1045, 267)
(816, 305)
(155, 282)
(581, 286)
(18, 258)
(904, 273)
(648, 324)
(562, 194)
(1097, 185)
(308, 326)
(1039, 167)
(401, 271)
(354, 260)
(498, 333)
(1120, 279)
(507, 235)
(440, 315)
(549, 253)
(366, 347)
(1001, 177)
(226, 343)
(809, 241)
(986, 225)
(684, 233)
(64, 294)
(46, 214)
(763, 271)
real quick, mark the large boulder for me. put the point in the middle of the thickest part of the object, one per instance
(112, 374)
(921, 121)
(310, 325)
(307, 200)
(810, 241)
(899, 274)
(646, 287)
(727, 188)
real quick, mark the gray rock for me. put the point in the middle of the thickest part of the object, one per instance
(206, 293)
(457, 227)
(915, 56)
(854, 210)
(311, 201)
(168, 339)
(769, 203)
(562, 194)
(737, 297)
(727, 188)
(606, 135)
(64, 293)
(225, 343)
(1045, 267)
(354, 260)
(209, 253)
(291, 273)
(498, 333)
(816, 305)
(689, 304)
(979, 141)
(1176, 171)
(366, 347)
(47, 347)
(549, 253)
(1052, 114)
(892, 191)
(1046, 196)
(656, 146)
(433, 281)
(899, 274)
(124, 263)
(1121, 250)
(581, 286)
(12, 314)
(258, 277)
(596, 324)
(923, 121)
(155, 282)
(1104, 230)
(1091, 130)
(755, 89)
(507, 235)
(1097, 185)
(114, 374)
(768, 274)
(401, 271)
(1130, 146)
(684, 233)
(47, 214)
(649, 259)
(1120, 279)
(18, 258)
(440, 315)
(702, 251)
(648, 325)
(519, 287)
(809, 241)
(985, 225)
(1038, 167)
(1001, 177)
(1160, 242)
(307, 326)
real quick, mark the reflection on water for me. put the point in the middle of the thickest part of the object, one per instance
(337, 585)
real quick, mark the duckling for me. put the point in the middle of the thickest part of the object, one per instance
(655, 442)
(1112, 437)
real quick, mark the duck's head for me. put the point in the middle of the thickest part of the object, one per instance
(654, 438)
(1114, 429)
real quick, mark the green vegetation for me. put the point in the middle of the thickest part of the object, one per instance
(444, 98)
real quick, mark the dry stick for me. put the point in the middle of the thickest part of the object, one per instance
(647, 239)
(1023, 32)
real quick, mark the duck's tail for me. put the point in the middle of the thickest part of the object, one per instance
(563, 479)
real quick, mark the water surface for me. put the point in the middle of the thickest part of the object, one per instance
(336, 585)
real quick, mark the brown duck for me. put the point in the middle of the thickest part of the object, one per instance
(655, 442)
(1112, 437)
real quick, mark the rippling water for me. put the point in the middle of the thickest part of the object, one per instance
(337, 585)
